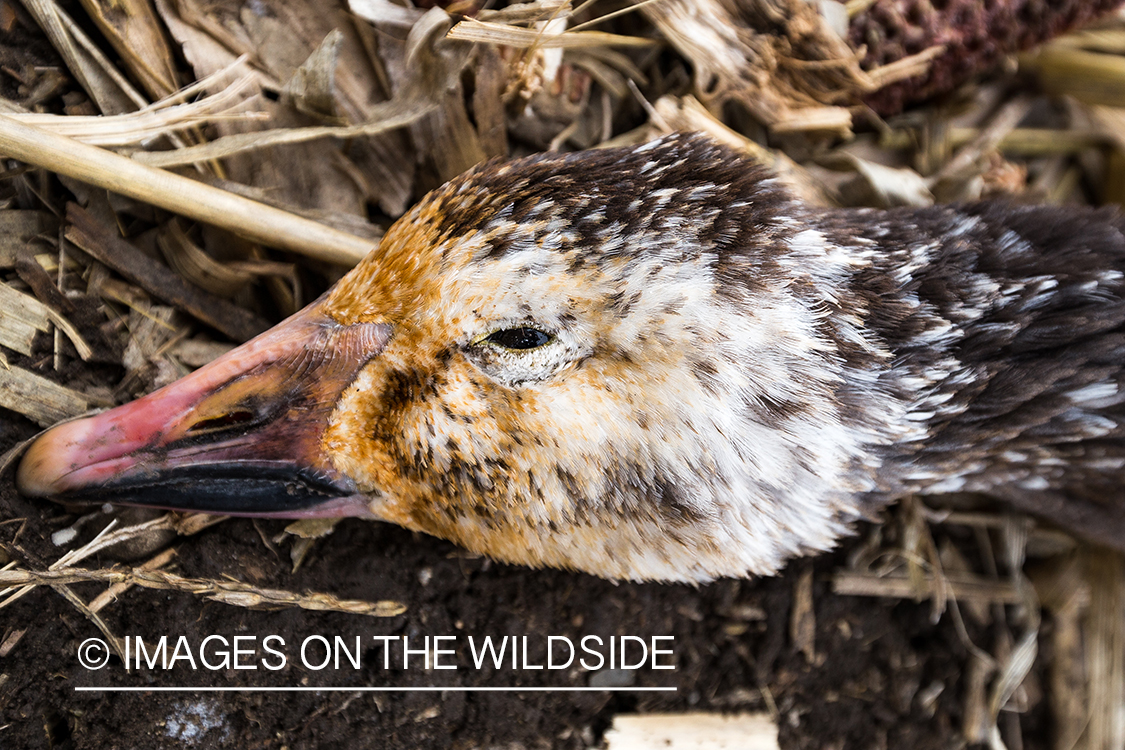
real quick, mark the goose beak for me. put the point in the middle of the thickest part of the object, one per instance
(240, 436)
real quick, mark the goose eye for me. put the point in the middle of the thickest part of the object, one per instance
(519, 338)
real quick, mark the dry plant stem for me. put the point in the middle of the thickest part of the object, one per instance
(608, 16)
(16, 305)
(902, 587)
(975, 724)
(471, 30)
(802, 618)
(1105, 649)
(1019, 662)
(908, 67)
(133, 127)
(110, 537)
(92, 616)
(988, 139)
(1064, 591)
(107, 537)
(43, 401)
(113, 592)
(10, 641)
(73, 555)
(180, 195)
(397, 116)
(1020, 142)
(229, 592)
(1068, 686)
(1090, 77)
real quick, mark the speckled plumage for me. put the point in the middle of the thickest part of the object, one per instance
(732, 377)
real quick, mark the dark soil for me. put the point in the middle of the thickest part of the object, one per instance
(871, 684)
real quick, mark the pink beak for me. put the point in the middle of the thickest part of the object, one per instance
(241, 435)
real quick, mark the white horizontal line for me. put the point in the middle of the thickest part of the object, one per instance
(425, 689)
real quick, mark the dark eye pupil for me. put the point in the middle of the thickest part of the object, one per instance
(519, 338)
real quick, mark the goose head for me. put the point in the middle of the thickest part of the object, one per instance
(616, 362)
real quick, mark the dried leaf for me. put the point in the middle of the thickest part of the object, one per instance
(137, 35)
(888, 187)
(312, 528)
(312, 89)
(305, 172)
(105, 245)
(105, 85)
(385, 12)
(190, 261)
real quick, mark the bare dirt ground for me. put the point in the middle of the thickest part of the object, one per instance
(882, 674)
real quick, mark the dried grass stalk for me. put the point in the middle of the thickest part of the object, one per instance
(390, 116)
(387, 12)
(76, 601)
(472, 30)
(229, 592)
(104, 599)
(180, 195)
(902, 587)
(1091, 77)
(1018, 142)
(155, 120)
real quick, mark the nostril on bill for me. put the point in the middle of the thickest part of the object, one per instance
(222, 422)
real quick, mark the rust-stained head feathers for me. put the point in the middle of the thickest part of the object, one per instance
(567, 382)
